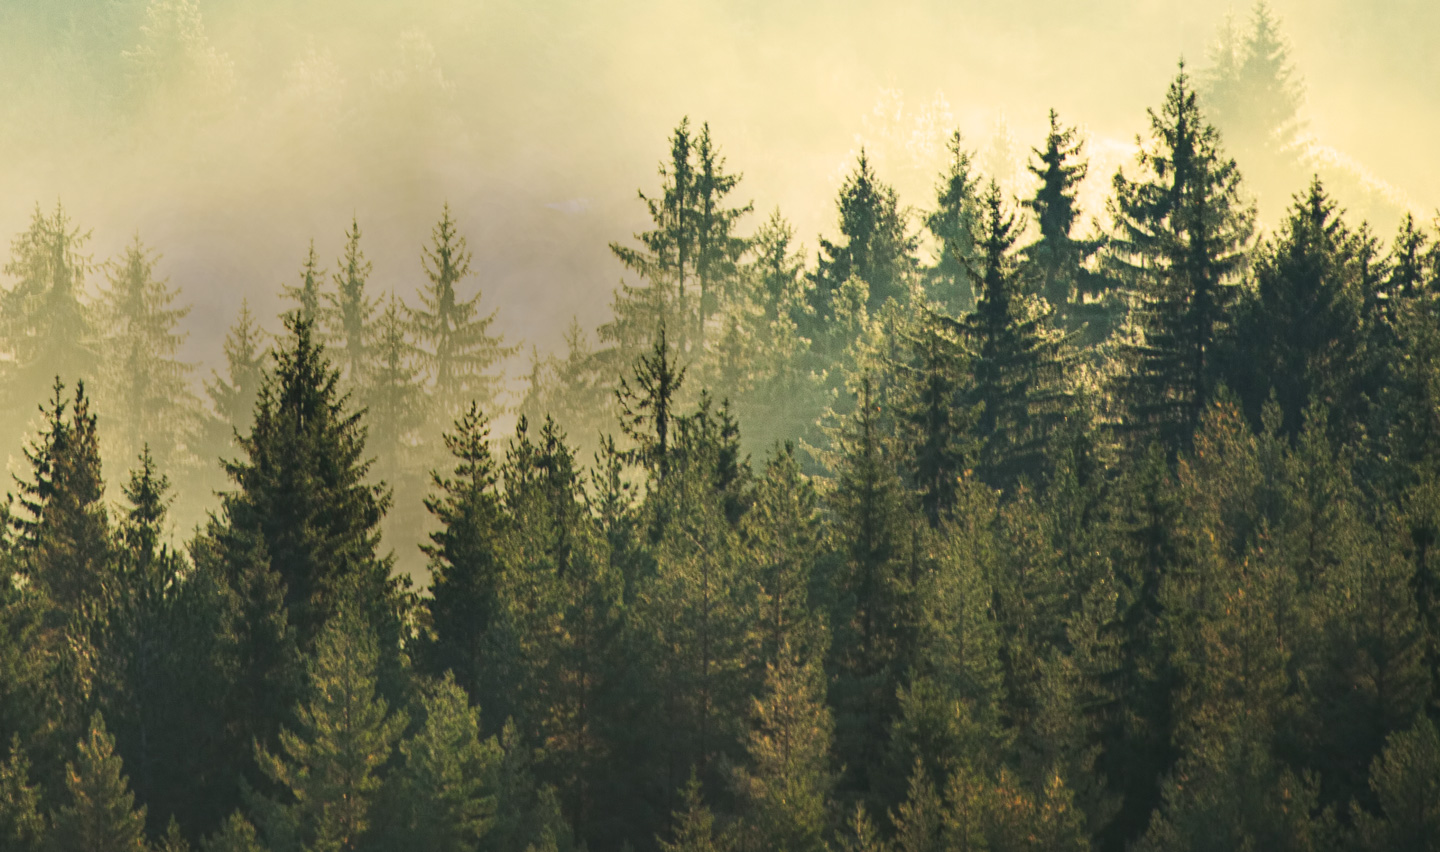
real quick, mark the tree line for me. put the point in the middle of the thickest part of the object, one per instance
(1054, 540)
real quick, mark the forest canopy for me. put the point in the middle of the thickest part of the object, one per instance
(993, 522)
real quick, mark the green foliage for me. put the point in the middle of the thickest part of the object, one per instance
(329, 766)
(146, 388)
(456, 345)
(22, 827)
(1181, 234)
(99, 814)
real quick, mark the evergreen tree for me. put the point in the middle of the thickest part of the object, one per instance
(47, 329)
(1253, 93)
(146, 386)
(784, 538)
(874, 620)
(307, 296)
(1075, 293)
(786, 783)
(442, 797)
(455, 339)
(394, 400)
(468, 563)
(99, 814)
(234, 395)
(1299, 336)
(689, 209)
(349, 312)
(950, 283)
(346, 733)
(877, 252)
(717, 249)
(1406, 781)
(1181, 232)
(1018, 366)
(300, 493)
(22, 828)
(235, 835)
(65, 532)
(694, 827)
(648, 412)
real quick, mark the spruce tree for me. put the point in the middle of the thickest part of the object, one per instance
(468, 564)
(394, 400)
(1181, 233)
(717, 248)
(1058, 257)
(455, 339)
(668, 259)
(1018, 365)
(329, 765)
(99, 814)
(349, 311)
(442, 795)
(874, 610)
(146, 389)
(47, 329)
(65, 533)
(784, 538)
(308, 296)
(878, 252)
(950, 283)
(1299, 337)
(233, 395)
(785, 783)
(22, 827)
(300, 493)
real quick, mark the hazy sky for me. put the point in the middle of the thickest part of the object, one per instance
(229, 146)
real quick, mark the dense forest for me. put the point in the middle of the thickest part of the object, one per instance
(983, 528)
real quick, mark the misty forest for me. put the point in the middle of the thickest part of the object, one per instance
(1050, 508)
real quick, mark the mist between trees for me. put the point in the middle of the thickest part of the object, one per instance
(983, 530)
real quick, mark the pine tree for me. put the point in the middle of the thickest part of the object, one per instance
(1181, 234)
(236, 834)
(349, 312)
(1254, 95)
(873, 619)
(345, 734)
(786, 783)
(1058, 258)
(308, 296)
(877, 252)
(950, 283)
(784, 539)
(300, 492)
(694, 827)
(234, 395)
(48, 329)
(455, 339)
(1300, 334)
(667, 261)
(648, 412)
(65, 532)
(147, 393)
(1018, 366)
(717, 249)
(442, 797)
(22, 828)
(935, 418)
(394, 400)
(1406, 781)
(100, 814)
(468, 564)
